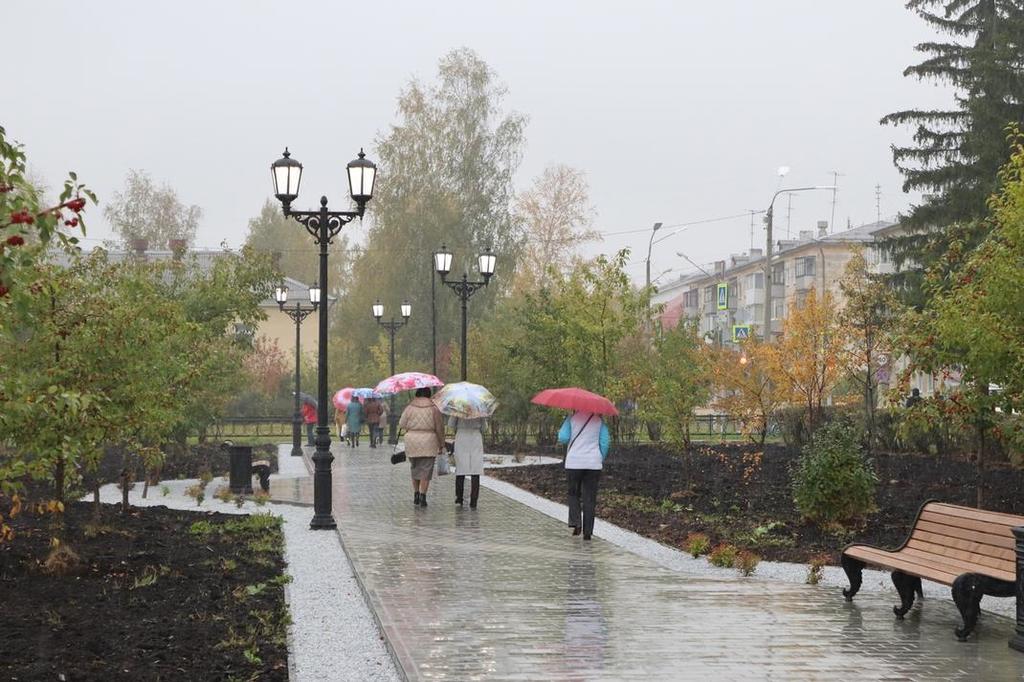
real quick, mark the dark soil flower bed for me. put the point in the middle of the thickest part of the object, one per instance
(741, 494)
(156, 594)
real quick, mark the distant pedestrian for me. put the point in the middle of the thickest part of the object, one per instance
(372, 414)
(588, 439)
(385, 414)
(914, 398)
(309, 417)
(424, 440)
(469, 457)
(354, 421)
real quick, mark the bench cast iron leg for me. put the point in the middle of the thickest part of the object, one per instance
(853, 568)
(907, 586)
(968, 589)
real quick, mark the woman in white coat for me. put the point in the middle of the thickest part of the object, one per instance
(469, 457)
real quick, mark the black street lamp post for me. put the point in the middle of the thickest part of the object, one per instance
(323, 225)
(298, 314)
(464, 288)
(392, 328)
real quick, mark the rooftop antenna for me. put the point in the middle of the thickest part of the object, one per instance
(878, 203)
(789, 212)
(835, 191)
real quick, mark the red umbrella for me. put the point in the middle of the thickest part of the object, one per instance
(575, 399)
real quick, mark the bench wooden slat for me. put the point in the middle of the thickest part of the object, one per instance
(967, 524)
(964, 534)
(1000, 563)
(976, 514)
(968, 545)
(907, 564)
(960, 565)
(974, 525)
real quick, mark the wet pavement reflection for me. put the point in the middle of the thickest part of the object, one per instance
(504, 592)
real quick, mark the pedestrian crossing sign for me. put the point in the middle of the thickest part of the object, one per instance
(740, 332)
(723, 296)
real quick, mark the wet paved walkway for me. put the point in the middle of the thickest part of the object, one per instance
(504, 592)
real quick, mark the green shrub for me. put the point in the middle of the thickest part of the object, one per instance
(697, 544)
(746, 563)
(723, 555)
(833, 481)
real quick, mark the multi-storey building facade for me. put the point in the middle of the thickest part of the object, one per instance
(727, 298)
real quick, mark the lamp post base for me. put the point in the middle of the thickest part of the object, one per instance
(297, 437)
(323, 518)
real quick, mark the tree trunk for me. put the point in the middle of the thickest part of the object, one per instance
(58, 480)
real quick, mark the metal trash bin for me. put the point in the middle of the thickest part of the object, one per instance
(240, 480)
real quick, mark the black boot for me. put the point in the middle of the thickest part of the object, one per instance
(460, 487)
(416, 498)
(423, 499)
(474, 491)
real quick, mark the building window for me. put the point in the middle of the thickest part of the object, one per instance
(709, 294)
(804, 266)
(754, 280)
(778, 310)
(779, 273)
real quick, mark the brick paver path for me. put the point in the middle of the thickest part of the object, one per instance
(504, 592)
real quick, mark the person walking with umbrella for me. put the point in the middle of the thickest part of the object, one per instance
(372, 412)
(354, 421)
(424, 440)
(587, 439)
(468, 405)
(309, 406)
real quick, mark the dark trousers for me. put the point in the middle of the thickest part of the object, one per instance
(309, 433)
(474, 489)
(582, 497)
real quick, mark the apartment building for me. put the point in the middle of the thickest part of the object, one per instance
(727, 298)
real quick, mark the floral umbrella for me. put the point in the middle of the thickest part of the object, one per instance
(466, 401)
(364, 393)
(342, 398)
(407, 381)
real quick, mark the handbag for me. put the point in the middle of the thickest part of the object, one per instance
(397, 456)
(443, 467)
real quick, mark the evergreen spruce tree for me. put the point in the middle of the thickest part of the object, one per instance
(957, 153)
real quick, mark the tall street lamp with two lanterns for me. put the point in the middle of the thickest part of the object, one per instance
(392, 328)
(297, 313)
(323, 225)
(464, 288)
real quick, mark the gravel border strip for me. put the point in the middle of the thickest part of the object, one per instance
(676, 560)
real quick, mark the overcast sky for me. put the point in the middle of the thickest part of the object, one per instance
(677, 111)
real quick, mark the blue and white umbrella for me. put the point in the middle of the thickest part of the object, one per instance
(364, 393)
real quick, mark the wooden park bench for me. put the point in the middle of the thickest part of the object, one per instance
(261, 468)
(969, 549)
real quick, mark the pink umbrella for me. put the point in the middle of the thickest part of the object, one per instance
(575, 399)
(407, 381)
(342, 398)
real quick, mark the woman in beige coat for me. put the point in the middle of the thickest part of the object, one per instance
(424, 440)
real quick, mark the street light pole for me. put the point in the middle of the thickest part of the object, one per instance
(650, 243)
(297, 314)
(464, 288)
(323, 225)
(766, 332)
(433, 319)
(392, 328)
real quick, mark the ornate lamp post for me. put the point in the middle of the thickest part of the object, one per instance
(392, 327)
(298, 314)
(464, 288)
(323, 225)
